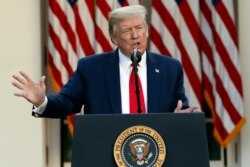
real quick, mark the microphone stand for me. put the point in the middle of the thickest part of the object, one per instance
(136, 58)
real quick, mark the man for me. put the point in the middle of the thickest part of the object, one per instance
(101, 82)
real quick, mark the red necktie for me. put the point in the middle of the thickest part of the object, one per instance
(132, 94)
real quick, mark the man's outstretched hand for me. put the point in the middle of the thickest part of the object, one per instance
(178, 108)
(30, 90)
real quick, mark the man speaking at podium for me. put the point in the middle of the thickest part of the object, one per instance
(110, 83)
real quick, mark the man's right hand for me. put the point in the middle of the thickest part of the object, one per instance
(30, 90)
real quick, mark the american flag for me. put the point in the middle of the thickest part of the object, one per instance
(202, 35)
(76, 29)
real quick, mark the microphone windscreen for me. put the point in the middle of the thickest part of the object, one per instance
(136, 57)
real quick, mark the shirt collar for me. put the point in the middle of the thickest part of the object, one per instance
(126, 62)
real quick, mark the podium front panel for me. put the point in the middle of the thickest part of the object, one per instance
(184, 136)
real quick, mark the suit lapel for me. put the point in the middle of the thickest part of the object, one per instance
(153, 82)
(112, 76)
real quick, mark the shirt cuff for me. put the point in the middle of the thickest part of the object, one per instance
(37, 111)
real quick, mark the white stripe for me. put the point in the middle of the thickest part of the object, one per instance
(193, 101)
(166, 36)
(226, 40)
(206, 30)
(229, 7)
(102, 23)
(68, 12)
(87, 21)
(153, 47)
(209, 4)
(223, 115)
(80, 51)
(59, 31)
(208, 69)
(57, 61)
(191, 47)
(195, 8)
(98, 48)
(234, 95)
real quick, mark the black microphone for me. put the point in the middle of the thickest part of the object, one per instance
(136, 58)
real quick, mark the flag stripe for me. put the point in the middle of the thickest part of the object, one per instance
(227, 19)
(56, 72)
(82, 34)
(64, 23)
(160, 45)
(191, 21)
(103, 7)
(63, 53)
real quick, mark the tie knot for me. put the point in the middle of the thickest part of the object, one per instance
(132, 65)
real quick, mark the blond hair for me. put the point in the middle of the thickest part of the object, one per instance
(126, 12)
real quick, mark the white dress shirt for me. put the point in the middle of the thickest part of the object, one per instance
(125, 70)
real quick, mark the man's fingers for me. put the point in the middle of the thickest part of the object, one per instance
(19, 94)
(196, 109)
(42, 81)
(193, 109)
(25, 76)
(179, 106)
(188, 110)
(17, 78)
(17, 85)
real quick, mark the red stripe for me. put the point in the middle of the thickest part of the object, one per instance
(217, 121)
(104, 8)
(206, 12)
(191, 22)
(187, 64)
(82, 34)
(55, 71)
(90, 5)
(207, 50)
(229, 23)
(124, 3)
(231, 69)
(209, 87)
(60, 49)
(103, 41)
(227, 103)
(100, 37)
(64, 22)
(157, 40)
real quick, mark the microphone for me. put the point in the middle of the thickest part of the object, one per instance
(136, 58)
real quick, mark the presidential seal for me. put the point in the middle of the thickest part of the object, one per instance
(139, 146)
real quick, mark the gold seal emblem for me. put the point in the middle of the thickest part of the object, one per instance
(139, 146)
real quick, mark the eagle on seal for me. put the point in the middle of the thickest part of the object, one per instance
(139, 150)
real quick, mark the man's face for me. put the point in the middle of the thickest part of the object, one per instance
(131, 33)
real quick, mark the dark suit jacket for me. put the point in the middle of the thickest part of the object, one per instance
(96, 85)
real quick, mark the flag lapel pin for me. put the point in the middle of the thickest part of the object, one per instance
(157, 70)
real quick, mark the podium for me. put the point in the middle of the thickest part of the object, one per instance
(98, 139)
